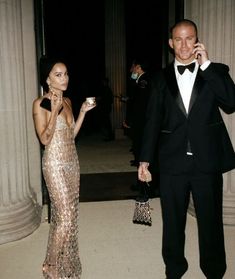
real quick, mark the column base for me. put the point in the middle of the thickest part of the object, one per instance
(19, 220)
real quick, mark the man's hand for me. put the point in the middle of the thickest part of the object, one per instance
(200, 53)
(143, 173)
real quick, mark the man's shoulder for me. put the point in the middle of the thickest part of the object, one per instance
(143, 81)
(218, 68)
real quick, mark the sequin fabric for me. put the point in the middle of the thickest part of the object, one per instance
(61, 172)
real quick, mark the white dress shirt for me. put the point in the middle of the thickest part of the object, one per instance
(186, 82)
(187, 79)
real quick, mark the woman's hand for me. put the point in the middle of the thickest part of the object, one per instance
(56, 102)
(87, 106)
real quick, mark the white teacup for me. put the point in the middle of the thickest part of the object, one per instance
(90, 100)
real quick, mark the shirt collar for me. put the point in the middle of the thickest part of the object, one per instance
(179, 63)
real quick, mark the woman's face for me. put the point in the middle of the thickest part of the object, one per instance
(58, 77)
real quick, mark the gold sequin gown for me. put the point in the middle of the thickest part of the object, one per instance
(62, 176)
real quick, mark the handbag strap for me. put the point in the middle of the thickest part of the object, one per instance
(143, 197)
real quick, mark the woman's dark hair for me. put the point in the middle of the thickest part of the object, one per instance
(46, 65)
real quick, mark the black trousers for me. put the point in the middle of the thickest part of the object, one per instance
(207, 193)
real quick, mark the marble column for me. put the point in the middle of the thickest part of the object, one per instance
(215, 20)
(115, 55)
(20, 212)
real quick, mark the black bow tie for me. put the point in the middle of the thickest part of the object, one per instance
(182, 68)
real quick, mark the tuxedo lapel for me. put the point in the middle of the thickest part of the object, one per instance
(173, 87)
(196, 90)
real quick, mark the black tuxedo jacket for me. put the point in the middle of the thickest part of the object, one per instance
(169, 128)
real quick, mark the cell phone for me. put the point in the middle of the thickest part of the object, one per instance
(46, 104)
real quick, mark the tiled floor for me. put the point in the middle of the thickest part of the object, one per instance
(111, 246)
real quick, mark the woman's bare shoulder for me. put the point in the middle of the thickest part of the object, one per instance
(68, 101)
(38, 100)
(37, 103)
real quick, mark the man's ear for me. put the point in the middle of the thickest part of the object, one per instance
(170, 43)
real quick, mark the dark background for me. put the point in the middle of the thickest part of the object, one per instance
(146, 31)
(75, 30)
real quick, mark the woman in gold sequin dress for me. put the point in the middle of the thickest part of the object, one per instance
(56, 130)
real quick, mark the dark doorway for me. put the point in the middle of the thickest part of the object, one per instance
(76, 31)
(146, 30)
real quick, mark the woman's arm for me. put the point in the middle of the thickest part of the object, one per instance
(44, 127)
(83, 110)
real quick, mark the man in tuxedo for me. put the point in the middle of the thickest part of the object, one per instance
(139, 100)
(184, 125)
